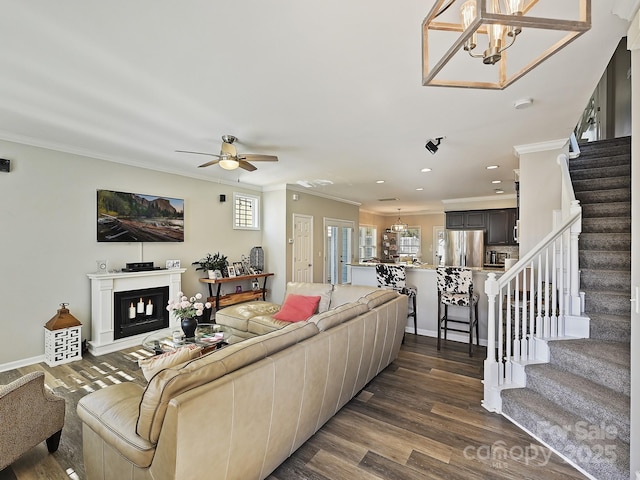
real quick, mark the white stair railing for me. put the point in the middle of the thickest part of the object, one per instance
(532, 301)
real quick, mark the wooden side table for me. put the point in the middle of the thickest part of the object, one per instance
(233, 298)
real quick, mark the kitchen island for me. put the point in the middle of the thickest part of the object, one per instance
(424, 278)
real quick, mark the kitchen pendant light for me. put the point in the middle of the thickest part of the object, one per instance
(399, 227)
(485, 29)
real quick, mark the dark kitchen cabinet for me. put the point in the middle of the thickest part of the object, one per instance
(466, 220)
(500, 226)
(455, 220)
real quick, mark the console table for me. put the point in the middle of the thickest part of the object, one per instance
(233, 298)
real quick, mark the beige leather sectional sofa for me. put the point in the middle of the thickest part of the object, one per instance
(238, 412)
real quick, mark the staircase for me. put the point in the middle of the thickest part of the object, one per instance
(579, 402)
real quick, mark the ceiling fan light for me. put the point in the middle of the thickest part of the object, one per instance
(229, 164)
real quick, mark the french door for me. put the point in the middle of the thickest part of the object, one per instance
(338, 250)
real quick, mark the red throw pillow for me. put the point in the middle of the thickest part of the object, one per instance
(297, 308)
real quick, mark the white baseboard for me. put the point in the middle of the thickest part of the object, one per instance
(21, 363)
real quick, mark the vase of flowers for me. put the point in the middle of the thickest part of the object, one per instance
(187, 309)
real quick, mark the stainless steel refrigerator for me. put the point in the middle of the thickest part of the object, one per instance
(464, 248)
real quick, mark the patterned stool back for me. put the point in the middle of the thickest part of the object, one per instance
(393, 276)
(455, 284)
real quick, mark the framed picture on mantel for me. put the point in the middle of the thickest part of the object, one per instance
(231, 272)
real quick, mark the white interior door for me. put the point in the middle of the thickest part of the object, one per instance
(302, 248)
(338, 250)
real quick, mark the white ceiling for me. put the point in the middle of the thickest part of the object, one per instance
(332, 87)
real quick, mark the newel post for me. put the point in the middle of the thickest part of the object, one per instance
(492, 400)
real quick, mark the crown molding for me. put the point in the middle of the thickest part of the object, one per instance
(493, 198)
(540, 147)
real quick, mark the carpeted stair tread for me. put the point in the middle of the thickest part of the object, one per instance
(601, 361)
(597, 242)
(622, 170)
(611, 159)
(618, 280)
(616, 328)
(605, 147)
(605, 260)
(612, 303)
(606, 225)
(568, 434)
(605, 183)
(595, 403)
(613, 195)
(610, 209)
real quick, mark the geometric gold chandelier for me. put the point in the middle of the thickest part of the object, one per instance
(466, 46)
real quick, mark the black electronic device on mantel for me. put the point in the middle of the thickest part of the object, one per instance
(140, 267)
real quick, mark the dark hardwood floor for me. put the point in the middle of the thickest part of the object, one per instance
(420, 418)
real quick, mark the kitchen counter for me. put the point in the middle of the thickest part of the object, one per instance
(424, 278)
(494, 268)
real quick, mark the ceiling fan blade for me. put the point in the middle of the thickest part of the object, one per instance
(199, 153)
(212, 162)
(254, 157)
(246, 165)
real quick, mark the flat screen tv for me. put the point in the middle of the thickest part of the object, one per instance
(134, 217)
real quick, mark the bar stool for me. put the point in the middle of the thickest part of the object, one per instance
(395, 277)
(455, 287)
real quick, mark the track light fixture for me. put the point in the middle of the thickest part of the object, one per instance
(432, 145)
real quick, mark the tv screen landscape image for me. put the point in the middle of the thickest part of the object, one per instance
(133, 217)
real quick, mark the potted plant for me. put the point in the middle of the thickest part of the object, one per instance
(211, 263)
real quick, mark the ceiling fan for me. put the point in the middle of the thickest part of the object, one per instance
(229, 158)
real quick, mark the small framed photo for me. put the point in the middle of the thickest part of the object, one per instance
(255, 285)
(231, 272)
(172, 264)
(238, 288)
(237, 266)
(217, 274)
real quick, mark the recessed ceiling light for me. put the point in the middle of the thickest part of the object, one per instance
(492, 167)
(496, 181)
(379, 181)
(419, 189)
(424, 170)
(499, 191)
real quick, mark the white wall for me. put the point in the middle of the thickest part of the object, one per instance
(275, 242)
(48, 237)
(540, 192)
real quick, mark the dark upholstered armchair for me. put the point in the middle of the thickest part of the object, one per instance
(29, 414)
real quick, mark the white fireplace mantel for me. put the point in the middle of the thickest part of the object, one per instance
(103, 286)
